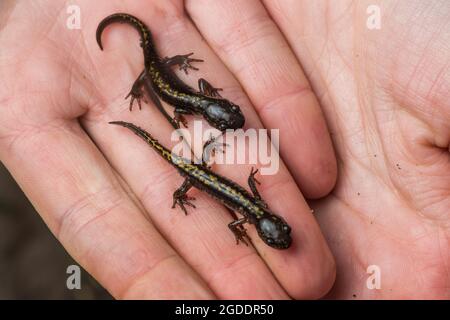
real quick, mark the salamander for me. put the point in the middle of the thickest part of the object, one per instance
(220, 113)
(271, 228)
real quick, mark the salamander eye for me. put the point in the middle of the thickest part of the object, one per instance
(286, 228)
(270, 241)
(234, 108)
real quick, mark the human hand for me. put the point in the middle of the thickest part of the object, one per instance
(106, 196)
(386, 98)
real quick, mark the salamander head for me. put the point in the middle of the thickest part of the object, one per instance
(274, 231)
(223, 115)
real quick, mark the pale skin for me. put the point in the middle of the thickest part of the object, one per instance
(289, 65)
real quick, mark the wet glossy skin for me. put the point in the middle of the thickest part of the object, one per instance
(220, 113)
(272, 229)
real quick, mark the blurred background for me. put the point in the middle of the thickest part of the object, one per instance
(32, 262)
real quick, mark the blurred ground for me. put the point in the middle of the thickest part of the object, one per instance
(32, 262)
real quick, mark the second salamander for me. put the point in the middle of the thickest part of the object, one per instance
(272, 229)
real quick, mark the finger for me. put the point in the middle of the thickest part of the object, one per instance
(305, 271)
(250, 44)
(79, 197)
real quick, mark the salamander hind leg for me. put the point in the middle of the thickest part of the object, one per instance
(210, 147)
(207, 89)
(183, 61)
(239, 231)
(181, 198)
(136, 92)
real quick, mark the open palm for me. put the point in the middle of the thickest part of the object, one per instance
(107, 197)
(385, 93)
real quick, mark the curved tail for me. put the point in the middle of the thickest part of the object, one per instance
(144, 32)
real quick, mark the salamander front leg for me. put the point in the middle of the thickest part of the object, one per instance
(239, 231)
(179, 112)
(182, 61)
(252, 184)
(207, 89)
(181, 198)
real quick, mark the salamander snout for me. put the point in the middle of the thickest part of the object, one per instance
(274, 231)
(237, 119)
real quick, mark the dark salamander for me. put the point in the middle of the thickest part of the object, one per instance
(272, 229)
(219, 112)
